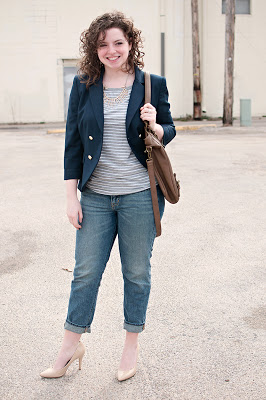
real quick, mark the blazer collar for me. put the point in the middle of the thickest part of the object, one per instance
(136, 97)
(96, 97)
(139, 75)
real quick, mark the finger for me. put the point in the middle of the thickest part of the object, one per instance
(147, 106)
(147, 112)
(80, 216)
(150, 111)
(149, 115)
(74, 222)
(146, 117)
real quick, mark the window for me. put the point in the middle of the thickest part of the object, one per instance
(242, 6)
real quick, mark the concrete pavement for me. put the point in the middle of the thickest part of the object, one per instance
(206, 322)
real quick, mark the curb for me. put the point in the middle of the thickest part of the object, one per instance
(56, 131)
(194, 127)
(178, 128)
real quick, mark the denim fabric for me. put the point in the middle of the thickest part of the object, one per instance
(130, 217)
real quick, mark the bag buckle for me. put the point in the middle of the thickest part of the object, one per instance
(148, 151)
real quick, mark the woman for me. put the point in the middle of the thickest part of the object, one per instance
(105, 158)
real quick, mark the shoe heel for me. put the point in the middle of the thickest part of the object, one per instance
(80, 362)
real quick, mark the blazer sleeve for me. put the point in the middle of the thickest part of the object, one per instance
(164, 117)
(73, 157)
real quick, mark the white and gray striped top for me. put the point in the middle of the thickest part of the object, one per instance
(118, 170)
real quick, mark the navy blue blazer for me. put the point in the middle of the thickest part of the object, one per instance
(85, 120)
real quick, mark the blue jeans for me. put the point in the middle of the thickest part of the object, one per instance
(130, 217)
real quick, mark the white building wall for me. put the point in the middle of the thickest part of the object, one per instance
(177, 57)
(36, 35)
(29, 86)
(250, 57)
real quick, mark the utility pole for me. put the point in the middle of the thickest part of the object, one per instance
(196, 61)
(229, 62)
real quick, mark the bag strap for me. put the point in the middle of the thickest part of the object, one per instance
(154, 198)
(150, 166)
(147, 87)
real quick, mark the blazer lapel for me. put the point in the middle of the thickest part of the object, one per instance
(96, 98)
(136, 97)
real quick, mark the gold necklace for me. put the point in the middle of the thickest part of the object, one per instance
(111, 101)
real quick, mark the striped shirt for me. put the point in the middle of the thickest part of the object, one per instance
(118, 170)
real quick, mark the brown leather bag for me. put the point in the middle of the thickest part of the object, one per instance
(159, 165)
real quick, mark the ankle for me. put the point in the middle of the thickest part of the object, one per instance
(131, 340)
(69, 345)
(131, 344)
(71, 338)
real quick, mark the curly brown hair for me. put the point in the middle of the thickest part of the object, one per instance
(90, 65)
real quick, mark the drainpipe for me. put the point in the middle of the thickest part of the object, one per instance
(162, 29)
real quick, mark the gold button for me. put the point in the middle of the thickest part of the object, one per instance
(90, 137)
(89, 157)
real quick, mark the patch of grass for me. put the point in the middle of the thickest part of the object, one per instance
(208, 118)
(187, 117)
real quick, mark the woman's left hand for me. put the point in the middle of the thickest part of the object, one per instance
(148, 113)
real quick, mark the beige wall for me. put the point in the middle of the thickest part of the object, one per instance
(37, 35)
(250, 57)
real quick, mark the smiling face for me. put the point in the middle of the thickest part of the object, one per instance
(113, 50)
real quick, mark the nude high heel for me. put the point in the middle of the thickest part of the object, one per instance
(57, 373)
(123, 375)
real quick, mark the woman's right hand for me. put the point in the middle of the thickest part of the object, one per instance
(74, 212)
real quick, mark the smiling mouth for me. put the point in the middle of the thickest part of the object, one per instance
(112, 58)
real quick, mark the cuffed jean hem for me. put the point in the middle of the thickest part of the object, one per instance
(134, 328)
(77, 329)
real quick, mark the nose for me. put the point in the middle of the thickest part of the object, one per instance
(111, 49)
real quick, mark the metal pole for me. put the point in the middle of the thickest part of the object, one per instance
(162, 53)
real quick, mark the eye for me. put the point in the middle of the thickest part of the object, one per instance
(102, 45)
(119, 43)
